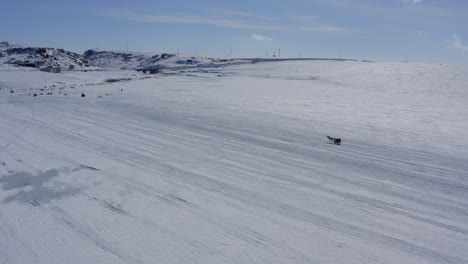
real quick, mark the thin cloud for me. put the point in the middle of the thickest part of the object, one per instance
(458, 43)
(260, 37)
(413, 14)
(412, 2)
(303, 18)
(236, 13)
(227, 23)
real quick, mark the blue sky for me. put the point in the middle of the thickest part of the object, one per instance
(382, 30)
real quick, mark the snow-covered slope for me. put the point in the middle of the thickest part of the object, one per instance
(233, 166)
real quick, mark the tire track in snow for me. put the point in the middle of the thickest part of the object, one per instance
(354, 197)
(325, 179)
(364, 200)
(21, 131)
(286, 210)
(246, 235)
(124, 131)
(88, 233)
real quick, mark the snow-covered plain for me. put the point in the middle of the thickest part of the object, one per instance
(232, 165)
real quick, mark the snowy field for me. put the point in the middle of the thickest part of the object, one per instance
(232, 165)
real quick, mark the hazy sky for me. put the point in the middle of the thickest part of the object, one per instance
(382, 30)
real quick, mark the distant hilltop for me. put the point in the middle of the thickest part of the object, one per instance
(4, 44)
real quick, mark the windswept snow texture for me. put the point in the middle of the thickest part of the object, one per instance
(233, 165)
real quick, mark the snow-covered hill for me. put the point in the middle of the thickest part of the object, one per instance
(94, 59)
(138, 60)
(98, 59)
(232, 165)
(41, 57)
(115, 59)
